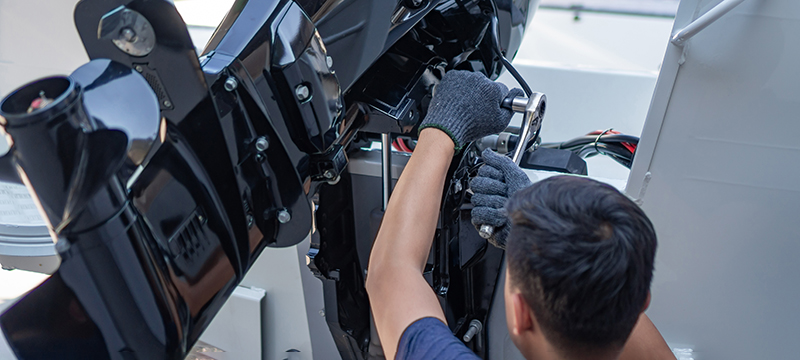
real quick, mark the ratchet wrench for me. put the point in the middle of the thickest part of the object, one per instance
(533, 109)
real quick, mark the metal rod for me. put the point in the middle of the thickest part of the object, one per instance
(386, 168)
(680, 37)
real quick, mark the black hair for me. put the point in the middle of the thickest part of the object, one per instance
(581, 253)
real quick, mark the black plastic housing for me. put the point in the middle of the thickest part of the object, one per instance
(558, 160)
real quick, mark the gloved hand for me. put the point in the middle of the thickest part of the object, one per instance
(466, 106)
(498, 179)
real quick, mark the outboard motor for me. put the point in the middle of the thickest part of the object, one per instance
(162, 175)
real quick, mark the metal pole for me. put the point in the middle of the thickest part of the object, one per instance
(703, 21)
(386, 168)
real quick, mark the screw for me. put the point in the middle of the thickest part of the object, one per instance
(329, 61)
(128, 34)
(328, 174)
(231, 83)
(262, 144)
(260, 157)
(138, 68)
(167, 103)
(302, 92)
(284, 216)
(250, 221)
(475, 326)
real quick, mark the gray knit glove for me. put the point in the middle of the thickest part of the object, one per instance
(498, 179)
(466, 106)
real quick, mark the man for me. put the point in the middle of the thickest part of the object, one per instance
(580, 254)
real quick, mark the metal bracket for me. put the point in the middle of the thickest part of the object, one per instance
(329, 165)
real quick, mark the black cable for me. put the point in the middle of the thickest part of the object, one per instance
(503, 60)
(616, 152)
(588, 139)
(516, 75)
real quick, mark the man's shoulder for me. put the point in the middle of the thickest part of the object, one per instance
(430, 338)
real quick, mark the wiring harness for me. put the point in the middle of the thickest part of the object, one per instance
(611, 143)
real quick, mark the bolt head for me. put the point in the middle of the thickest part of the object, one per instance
(231, 84)
(128, 34)
(167, 103)
(138, 68)
(302, 92)
(486, 231)
(250, 221)
(262, 144)
(284, 216)
(329, 62)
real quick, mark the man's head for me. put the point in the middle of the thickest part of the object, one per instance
(580, 260)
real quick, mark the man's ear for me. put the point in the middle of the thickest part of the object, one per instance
(646, 302)
(522, 315)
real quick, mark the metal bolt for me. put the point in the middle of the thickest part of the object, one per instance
(167, 103)
(329, 61)
(328, 174)
(138, 68)
(262, 144)
(250, 221)
(302, 92)
(128, 34)
(486, 231)
(260, 157)
(284, 216)
(231, 84)
(475, 327)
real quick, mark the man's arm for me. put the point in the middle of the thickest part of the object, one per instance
(464, 108)
(398, 293)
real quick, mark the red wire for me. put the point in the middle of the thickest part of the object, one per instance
(405, 145)
(402, 145)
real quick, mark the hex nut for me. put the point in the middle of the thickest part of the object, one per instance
(231, 84)
(262, 144)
